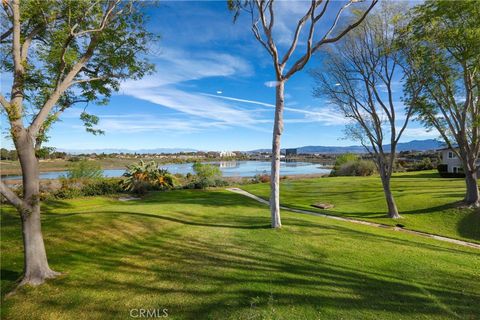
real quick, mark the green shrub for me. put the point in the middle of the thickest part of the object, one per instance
(73, 188)
(425, 164)
(357, 168)
(69, 189)
(341, 160)
(443, 171)
(102, 187)
(442, 168)
(206, 175)
(206, 171)
(84, 169)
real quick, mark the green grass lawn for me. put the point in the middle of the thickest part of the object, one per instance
(427, 202)
(211, 255)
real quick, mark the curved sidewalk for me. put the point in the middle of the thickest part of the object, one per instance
(373, 224)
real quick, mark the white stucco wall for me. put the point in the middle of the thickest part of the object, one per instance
(453, 162)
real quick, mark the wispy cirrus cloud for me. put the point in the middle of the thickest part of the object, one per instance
(194, 104)
(176, 68)
(157, 124)
(419, 133)
(325, 115)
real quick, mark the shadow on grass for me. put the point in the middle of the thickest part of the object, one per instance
(415, 175)
(204, 272)
(195, 273)
(240, 223)
(219, 280)
(9, 274)
(469, 226)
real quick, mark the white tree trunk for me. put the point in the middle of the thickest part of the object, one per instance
(391, 205)
(385, 175)
(275, 173)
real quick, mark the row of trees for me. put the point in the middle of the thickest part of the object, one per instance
(8, 154)
(42, 153)
(431, 50)
(61, 53)
(437, 63)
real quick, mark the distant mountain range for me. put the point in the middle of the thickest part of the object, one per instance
(141, 151)
(415, 145)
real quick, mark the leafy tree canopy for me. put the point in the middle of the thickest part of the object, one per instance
(72, 52)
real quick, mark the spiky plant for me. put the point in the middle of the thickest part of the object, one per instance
(142, 176)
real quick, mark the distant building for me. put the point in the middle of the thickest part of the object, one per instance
(290, 152)
(452, 162)
(224, 154)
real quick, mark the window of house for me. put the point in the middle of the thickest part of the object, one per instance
(451, 155)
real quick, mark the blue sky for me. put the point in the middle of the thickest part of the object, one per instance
(212, 90)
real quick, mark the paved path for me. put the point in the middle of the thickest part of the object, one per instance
(373, 224)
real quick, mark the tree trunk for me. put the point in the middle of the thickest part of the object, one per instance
(36, 269)
(275, 173)
(391, 205)
(472, 197)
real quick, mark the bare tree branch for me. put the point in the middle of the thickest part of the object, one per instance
(6, 34)
(301, 62)
(12, 197)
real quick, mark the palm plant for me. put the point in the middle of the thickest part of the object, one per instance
(142, 176)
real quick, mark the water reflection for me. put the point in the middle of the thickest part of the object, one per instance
(228, 168)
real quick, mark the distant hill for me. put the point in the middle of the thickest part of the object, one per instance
(415, 145)
(141, 151)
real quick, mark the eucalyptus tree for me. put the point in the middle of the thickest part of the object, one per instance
(294, 57)
(442, 46)
(60, 53)
(360, 81)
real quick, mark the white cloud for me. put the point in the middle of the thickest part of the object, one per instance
(287, 14)
(142, 123)
(271, 84)
(325, 115)
(419, 133)
(193, 104)
(175, 68)
(241, 100)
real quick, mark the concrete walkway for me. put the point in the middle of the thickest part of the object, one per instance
(372, 224)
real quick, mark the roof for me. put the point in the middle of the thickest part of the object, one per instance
(447, 148)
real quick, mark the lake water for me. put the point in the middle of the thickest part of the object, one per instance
(228, 168)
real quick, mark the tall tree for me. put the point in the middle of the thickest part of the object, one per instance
(359, 80)
(60, 53)
(442, 43)
(262, 14)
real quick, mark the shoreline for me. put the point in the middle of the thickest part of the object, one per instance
(13, 168)
(63, 166)
(232, 179)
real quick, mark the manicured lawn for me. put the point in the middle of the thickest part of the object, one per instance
(426, 201)
(211, 255)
